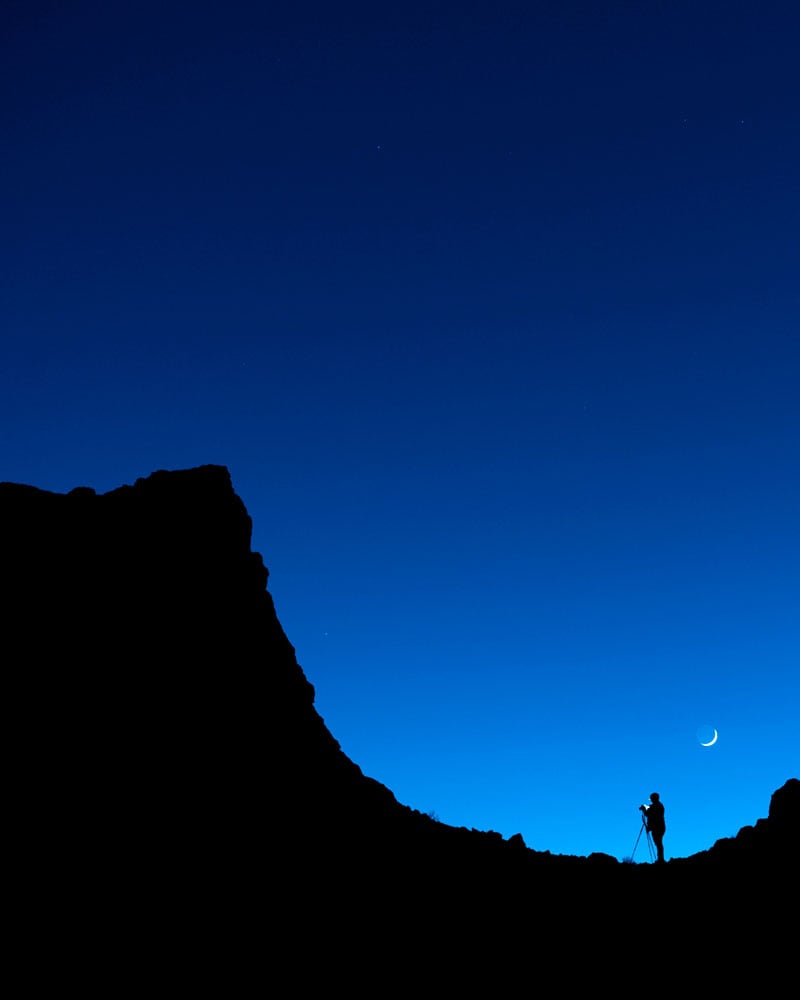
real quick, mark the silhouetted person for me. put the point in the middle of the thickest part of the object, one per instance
(655, 822)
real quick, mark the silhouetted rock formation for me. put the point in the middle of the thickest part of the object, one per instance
(177, 801)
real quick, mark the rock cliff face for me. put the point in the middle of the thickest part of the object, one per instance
(178, 804)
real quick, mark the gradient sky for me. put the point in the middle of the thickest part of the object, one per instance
(492, 311)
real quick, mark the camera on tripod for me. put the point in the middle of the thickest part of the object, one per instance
(644, 829)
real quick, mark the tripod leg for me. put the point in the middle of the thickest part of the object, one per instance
(633, 852)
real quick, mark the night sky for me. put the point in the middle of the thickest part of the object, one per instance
(492, 311)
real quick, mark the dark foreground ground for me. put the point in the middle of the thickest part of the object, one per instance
(181, 820)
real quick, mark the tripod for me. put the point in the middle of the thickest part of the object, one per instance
(649, 839)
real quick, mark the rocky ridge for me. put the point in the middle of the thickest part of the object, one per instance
(176, 793)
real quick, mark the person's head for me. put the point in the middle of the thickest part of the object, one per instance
(654, 797)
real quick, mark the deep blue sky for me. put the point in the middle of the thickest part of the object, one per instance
(492, 312)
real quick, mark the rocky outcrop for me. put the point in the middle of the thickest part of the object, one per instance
(768, 846)
(177, 799)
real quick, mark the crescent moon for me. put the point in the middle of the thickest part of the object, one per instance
(712, 741)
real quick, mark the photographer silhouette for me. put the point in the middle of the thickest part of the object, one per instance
(656, 823)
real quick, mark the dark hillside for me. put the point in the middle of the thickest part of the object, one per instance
(181, 814)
